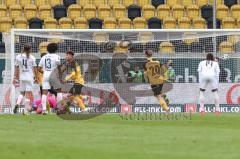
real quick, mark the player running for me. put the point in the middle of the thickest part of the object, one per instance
(209, 74)
(156, 76)
(25, 69)
(74, 73)
(48, 64)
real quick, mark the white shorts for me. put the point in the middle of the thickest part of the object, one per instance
(208, 81)
(46, 84)
(26, 86)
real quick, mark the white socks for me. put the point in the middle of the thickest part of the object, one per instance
(19, 99)
(59, 99)
(27, 104)
(44, 102)
(216, 100)
(201, 99)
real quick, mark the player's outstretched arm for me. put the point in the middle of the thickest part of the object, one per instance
(145, 76)
(35, 71)
(69, 77)
(61, 69)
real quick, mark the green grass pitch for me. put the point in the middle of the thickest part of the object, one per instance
(111, 137)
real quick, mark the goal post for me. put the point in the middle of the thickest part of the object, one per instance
(108, 59)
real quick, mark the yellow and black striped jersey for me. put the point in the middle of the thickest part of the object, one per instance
(155, 73)
(75, 73)
(39, 77)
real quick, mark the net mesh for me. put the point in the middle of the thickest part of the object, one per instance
(108, 60)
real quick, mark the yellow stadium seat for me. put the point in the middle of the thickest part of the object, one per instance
(3, 10)
(5, 24)
(100, 37)
(55, 2)
(171, 3)
(65, 23)
(148, 11)
(142, 3)
(45, 12)
(128, 2)
(184, 23)
(110, 23)
(20, 23)
(43, 47)
(84, 2)
(55, 40)
(178, 11)
(199, 23)
(9, 3)
(190, 37)
(166, 48)
(74, 11)
(121, 47)
(23, 3)
(193, 11)
(238, 23)
(233, 39)
(113, 3)
(139, 23)
(89, 11)
(219, 2)
(186, 3)
(104, 11)
(39, 3)
(15, 11)
(80, 23)
(163, 11)
(228, 23)
(50, 23)
(97, 3)
(222, 11)
(169, 23)
(226, 47)
(30, 11)
(119, 11)
(145, 37)
(201, 3)
(235, 10)
(124, 23)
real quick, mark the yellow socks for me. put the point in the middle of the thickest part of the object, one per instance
(163, 104)
(80, 102)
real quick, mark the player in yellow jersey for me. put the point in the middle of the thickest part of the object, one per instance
(156, 76)
(74, 73)
(39, 78)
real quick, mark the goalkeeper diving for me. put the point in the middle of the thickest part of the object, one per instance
(156, 76)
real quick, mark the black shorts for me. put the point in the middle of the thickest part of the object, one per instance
(157, 89)
(52, 91)
(76, 89)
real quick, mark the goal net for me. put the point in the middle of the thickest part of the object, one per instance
(112, 63)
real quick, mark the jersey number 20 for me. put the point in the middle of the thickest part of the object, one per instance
(155, 70)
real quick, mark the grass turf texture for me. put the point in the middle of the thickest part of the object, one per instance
(108, 136)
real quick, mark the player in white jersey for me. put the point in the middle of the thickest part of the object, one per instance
(25, 69)
(48, 64)
(209, 75)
